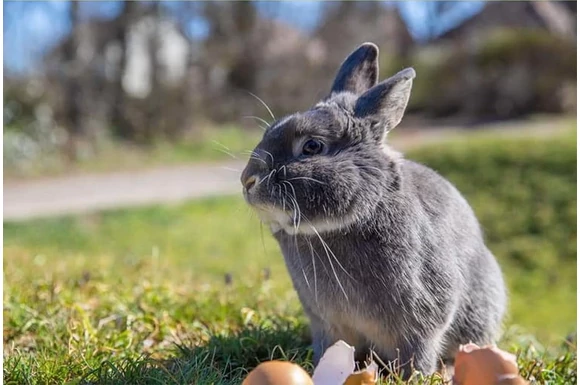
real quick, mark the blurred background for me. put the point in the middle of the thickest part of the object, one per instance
(110, 105)
(79, 76)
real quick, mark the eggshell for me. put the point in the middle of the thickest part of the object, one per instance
(336, 364)
(278, 373)
(368, 376)
(485, 366)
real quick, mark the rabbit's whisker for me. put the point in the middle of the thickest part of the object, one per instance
(271, 157)
(270, 175)
(258, 119)
(296, 210)
(254, 155)
(294, 199)
(285, 194)
(250, 152)
(281, 195)
(312, 251)
(264, 104)
(327, 250)
(284, 167)
(231, 169)
(262, 236)
(306, 178)
(313, 268)
(266, 177)
(326, 246)
(226, 152)
(221, 145)
(258, 158)
(297, 214)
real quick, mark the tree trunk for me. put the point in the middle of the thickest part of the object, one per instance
(122, 126)
(73, 114)
(154, 123)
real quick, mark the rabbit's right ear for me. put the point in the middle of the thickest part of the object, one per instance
(385, 103)
(359, 71)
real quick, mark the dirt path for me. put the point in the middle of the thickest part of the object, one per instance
(78, 194)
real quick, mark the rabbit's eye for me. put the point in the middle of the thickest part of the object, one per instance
(312, 147)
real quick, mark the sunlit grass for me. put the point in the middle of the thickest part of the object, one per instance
(144, 295)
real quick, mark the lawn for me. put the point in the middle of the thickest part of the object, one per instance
(197, 293)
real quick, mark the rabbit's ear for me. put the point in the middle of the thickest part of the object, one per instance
(359, 71)
(385, 103)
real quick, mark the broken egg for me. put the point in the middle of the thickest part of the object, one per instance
(278, 373)
(336, 367)
(486, 365)
(336, 364)
(474, 365)
(368, 376)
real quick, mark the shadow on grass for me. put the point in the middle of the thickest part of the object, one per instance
(224, 359)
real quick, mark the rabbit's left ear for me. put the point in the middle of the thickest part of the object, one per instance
(385, 103)
(359, 71)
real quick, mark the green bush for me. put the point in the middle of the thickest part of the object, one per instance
(505, 73)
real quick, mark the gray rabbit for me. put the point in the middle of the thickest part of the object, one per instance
(383, 252)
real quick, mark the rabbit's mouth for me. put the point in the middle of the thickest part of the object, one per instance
(283, 220)
(291, 213)
(276, 218)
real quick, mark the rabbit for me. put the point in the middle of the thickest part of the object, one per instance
(384, 253)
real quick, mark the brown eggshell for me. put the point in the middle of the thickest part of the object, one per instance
(278, 373)
(361, 378)
(485, 366)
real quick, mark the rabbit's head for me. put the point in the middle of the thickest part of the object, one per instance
(326, 168)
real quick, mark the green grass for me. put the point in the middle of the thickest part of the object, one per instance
(140, 295)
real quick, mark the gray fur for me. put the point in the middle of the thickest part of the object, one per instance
(360, 70)
(383, 252)
(386, 102)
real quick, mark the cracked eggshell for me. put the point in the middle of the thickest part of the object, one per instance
(335, 366)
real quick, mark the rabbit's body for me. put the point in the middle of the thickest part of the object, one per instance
(421, 281)
(383, 252)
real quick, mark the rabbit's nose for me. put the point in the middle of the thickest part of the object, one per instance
(250, 182)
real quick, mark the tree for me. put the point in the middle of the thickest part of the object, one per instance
(233, 46)
(74, 121)
(244, 69)
(122, 127)
(154, 113)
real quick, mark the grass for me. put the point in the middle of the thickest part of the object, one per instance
(193, 294)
